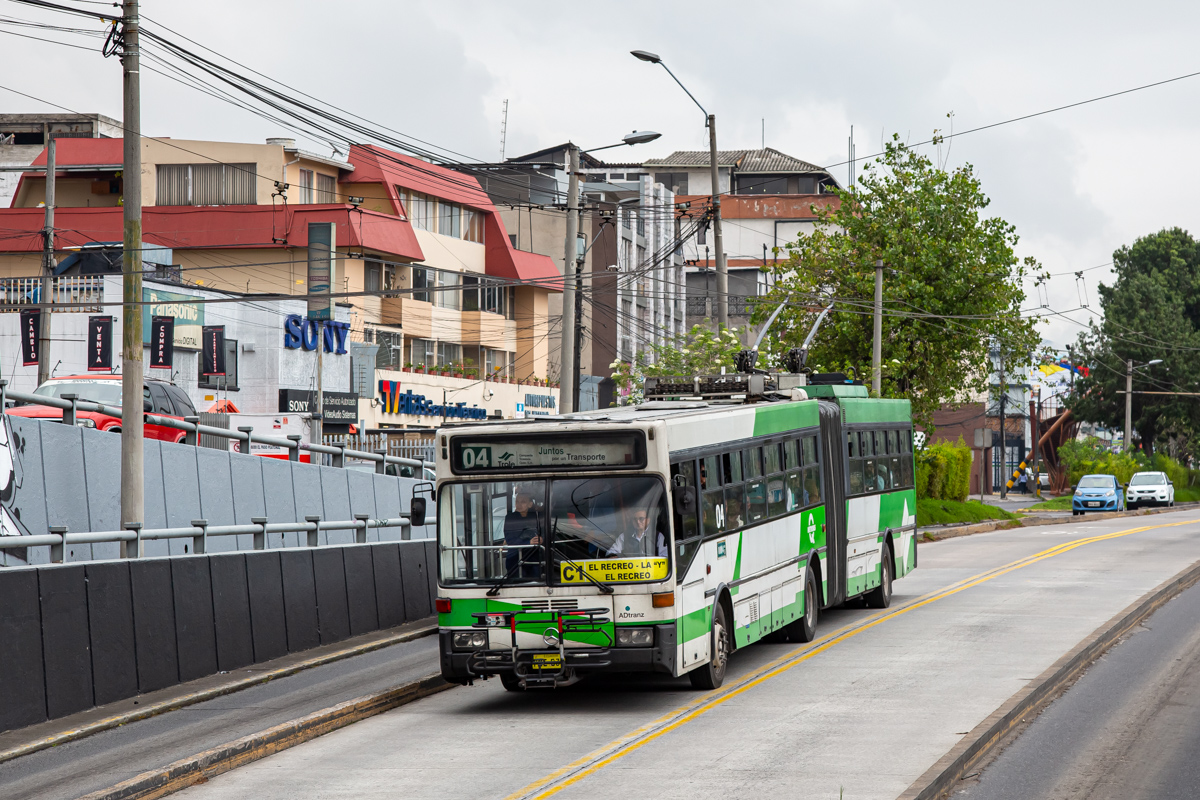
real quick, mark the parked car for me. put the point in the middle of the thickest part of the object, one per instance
(1098, 493)
(395, 470)
(1151, 489)
(158, 397)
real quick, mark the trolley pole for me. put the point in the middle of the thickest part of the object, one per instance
(132, 487)
(1129, 404)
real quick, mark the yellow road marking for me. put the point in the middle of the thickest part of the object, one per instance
(598, 759)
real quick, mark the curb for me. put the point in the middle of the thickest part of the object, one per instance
(940, 779)
(942, 533)
(231, 755)
(154, 709)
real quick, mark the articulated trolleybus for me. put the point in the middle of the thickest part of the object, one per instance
(664, 536)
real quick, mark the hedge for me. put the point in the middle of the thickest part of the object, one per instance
(944, 471)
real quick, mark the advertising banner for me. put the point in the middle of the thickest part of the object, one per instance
(189, 316)
(100, 344)
(162, 342)
(31, 327)
(214, 350)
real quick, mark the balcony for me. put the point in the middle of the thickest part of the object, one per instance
(415, 316)
(17, 292)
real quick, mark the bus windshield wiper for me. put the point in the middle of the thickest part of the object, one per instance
(495, 590)
(604, 587)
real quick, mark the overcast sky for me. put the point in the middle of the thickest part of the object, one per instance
(1076, 184)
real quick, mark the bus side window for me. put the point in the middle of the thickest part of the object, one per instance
(771, 463)
(685, 520)
(893, 442)
(752, 462)
(852, 448)
(810, 450)
(733, 467)
(812, 486)
(714, 512)
(856, 476)
(791, 456)
(795, 490)
(735, 507)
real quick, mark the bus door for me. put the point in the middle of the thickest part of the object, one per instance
(833, 444)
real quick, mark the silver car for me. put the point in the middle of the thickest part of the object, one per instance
(1150, 489)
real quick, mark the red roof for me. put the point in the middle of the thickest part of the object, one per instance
(190, 227)
(76, 152)
(504, 261)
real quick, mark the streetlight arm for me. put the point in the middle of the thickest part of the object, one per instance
(689, 94)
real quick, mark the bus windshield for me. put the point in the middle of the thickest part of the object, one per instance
(560, 531)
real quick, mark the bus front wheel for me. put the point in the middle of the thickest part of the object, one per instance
(510, 681)
(712, 674)
(805, 628)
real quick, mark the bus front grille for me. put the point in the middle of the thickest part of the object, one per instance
(549, 604)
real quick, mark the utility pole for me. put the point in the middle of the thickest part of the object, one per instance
(718, 242)
(877, 338)
(1035, 408)
(46, 294)
(567, 367)
(319, 417)
(1129, 404)
(132, 487)
(1003, 434)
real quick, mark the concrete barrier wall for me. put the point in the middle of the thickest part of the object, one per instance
(53, 474)
(74, 636)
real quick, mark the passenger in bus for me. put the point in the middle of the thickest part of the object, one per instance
(521, 527)
(856, 480)
(873, 480)
(733, 513)
(812, 492)
(640, 540)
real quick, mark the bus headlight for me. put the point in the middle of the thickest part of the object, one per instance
(635, 637)
(470, 640)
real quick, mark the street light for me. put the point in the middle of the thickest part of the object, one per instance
(571, 317)
(711, 122)
(1129, 368)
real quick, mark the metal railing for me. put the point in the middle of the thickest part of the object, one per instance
(134, 537)
(416, 449)
(193, 429)
(16, 292)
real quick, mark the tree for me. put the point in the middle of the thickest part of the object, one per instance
(1151, 311)
(952, 283)
(702, 351)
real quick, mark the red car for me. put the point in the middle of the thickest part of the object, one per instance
(159, 397)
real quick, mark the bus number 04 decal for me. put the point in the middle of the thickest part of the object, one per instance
(476, 457)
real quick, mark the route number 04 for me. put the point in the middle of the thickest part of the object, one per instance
(476, 457)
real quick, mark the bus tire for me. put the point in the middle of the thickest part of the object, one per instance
(712, 674)
(805, 629)
(510, 681)
(881, 595)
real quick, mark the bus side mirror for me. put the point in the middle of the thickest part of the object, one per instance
(685, 500)
(416, 514)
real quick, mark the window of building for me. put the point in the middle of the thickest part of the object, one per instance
(306, 186)
(326, 189)
(677, 182)
(450, 295)
(448, 353)
(762, 184)
(228, 381)
(204, 184)
(449, 219)
(470, 293)
(422, 352)
(373, 280)
(422, 280)
(497, 362)
(473, 226)
(390, 354)
(421, 208)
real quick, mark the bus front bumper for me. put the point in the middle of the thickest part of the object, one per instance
(462, 666)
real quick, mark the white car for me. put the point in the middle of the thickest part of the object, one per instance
(1150, 489)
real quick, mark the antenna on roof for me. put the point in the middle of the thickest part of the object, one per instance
(503, 127)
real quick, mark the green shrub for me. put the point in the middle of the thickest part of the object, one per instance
(944, 471)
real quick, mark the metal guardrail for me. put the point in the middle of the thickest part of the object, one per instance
(199, 532)
(192, 428)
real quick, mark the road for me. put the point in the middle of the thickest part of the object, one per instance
(1128, 729)
(861, 713)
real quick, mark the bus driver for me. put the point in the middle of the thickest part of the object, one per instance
(640, 541)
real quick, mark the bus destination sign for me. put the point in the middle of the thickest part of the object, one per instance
(533, 453)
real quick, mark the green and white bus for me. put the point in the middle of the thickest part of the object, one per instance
(663, 537)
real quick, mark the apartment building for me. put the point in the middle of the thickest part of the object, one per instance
(634, 287)
(241, 218)
(767, 201)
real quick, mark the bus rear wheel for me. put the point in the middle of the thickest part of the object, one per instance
(881, 595)
(712, 674)
(805, 628)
